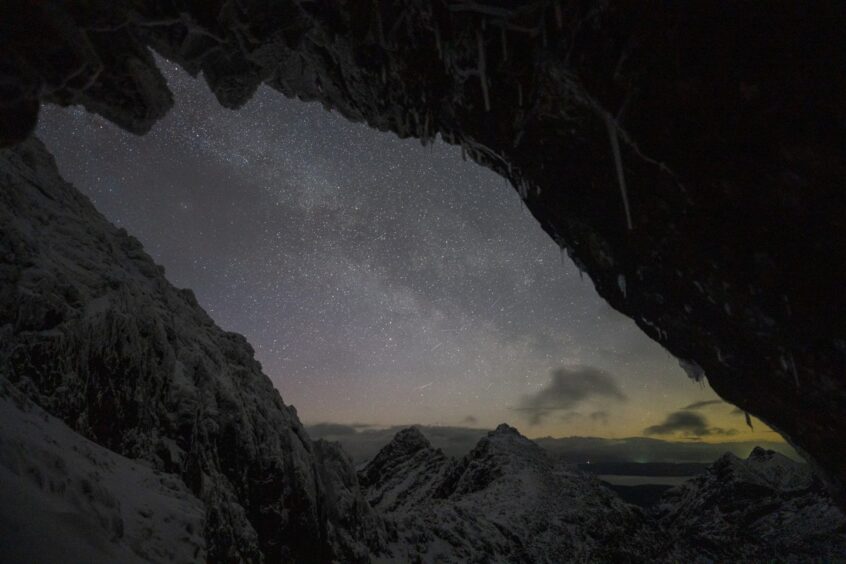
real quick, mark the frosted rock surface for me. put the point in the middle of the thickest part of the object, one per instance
(92, 332)
(64, 498)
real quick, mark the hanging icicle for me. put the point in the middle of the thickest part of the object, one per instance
(480, 43)
(504, 43)
(618, 163)
(381, 29)
(518, 138)
(793, 368)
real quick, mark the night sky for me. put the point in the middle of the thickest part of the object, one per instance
(379, 281)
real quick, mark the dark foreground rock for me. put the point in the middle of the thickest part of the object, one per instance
(92, 332)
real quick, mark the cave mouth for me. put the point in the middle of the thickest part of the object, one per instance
(688, 157)
(383, 282)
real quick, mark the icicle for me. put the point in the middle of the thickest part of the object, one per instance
(618, 162)
(384, 75)
(504, 44)
(693, 370)
(748, 420)
(518, 138)
(793, 368)
(558, 19)
(425, 137)
(480, 43)
(381, 30)
(438, 42)
(519, 95)
(621, 283)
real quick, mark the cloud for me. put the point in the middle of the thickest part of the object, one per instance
(687, 423)
(701, 404)
(599, 417)
(568, 386)
(470, 420)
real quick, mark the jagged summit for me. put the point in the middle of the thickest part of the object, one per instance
(505, 428)
(410, 439)
(759, 452)
(765, 468)
(505, 501)
(404, 472)
(752, 509)
(407, 445)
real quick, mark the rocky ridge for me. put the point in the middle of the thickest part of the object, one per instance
(506, 501)
(766, 507)
(94, 334)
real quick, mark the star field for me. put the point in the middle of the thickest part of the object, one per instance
(378, 280)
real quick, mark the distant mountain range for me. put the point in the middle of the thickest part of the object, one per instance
(362, 442)
(507, 500)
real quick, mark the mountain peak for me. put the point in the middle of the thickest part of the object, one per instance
(761, 454)
(410, 439)
(505, 429)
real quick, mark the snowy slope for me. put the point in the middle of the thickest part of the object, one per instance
(66, 499)
(506, 501)
(405, 473)
(763, 508)
(92, 332)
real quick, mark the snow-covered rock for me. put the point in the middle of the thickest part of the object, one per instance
(405, 473)
(92, 332)
(66, 499)
(765, 508)
(506, 501)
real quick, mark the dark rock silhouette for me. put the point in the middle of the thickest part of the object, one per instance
(94, 333)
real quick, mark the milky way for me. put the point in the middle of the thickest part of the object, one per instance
(379, 281)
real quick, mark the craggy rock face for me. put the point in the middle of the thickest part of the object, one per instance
(690, 156)
(92, 331)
